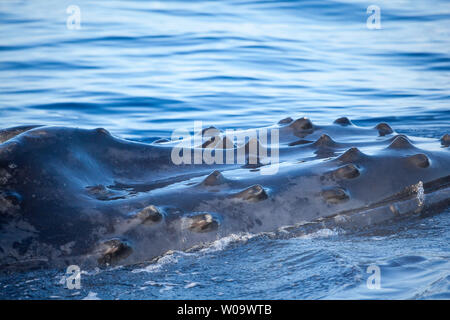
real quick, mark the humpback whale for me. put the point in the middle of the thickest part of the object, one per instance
(86, 197)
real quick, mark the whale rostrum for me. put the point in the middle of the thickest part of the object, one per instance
(87, 197)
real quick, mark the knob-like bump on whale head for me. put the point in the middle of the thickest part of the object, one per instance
(302, 124)
(351, 154)
(150, 215)
(213, 179)
(400, 142)
(383, 129)
(325, 141)
(419, 160)
(210, 131)
(343, 121)
(97, 189)
(335, 195)
(211, 142)
(253, 194)
(218, 142)
(349, 171)
(113, 251)
(102, 131)
(100, 192)
(445, 140)
(202, 222)
(285, 120)
(9, 202)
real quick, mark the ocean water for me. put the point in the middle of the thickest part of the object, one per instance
(144, 68)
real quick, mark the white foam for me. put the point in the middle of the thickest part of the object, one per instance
(191, 285)
(168, 258)
(376, 238)
(91, 296)
(420, 193)
(224, 242)
(322, 233)
(172, 257)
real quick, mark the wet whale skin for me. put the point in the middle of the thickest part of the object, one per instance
(70, 195)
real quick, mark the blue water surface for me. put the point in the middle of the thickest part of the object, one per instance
(144, 68)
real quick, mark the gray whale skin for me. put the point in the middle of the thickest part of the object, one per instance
(85, 197)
